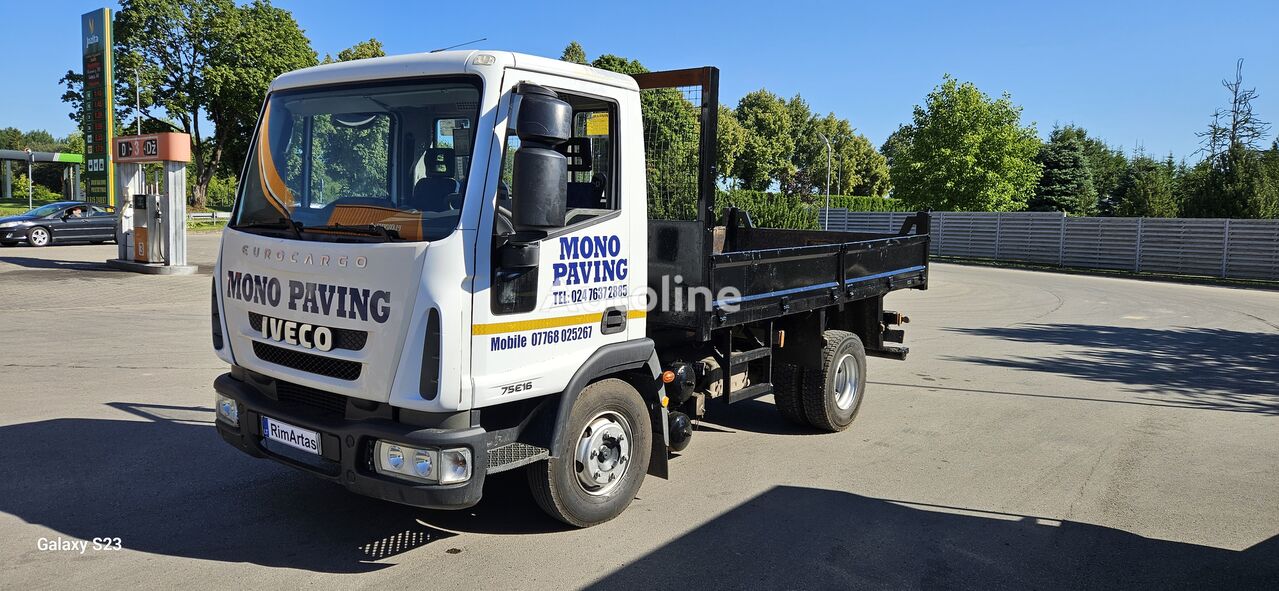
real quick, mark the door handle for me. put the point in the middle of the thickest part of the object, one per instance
(614, 321)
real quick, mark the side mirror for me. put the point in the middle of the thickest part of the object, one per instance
(518, 255)
(540, 174)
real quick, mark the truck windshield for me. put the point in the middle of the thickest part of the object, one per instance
(386, 161)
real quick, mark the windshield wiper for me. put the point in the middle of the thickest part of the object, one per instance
(280, 224)
(366, 229)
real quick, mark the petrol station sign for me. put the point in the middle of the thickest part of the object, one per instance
(153, 147)
(99, 108)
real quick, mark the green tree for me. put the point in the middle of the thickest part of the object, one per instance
(41, 141)
(209, 60)
(808, 154)
(574, 53)
(1235, 185)
(1148, 189)
(856, 168)
(362, 50)
(862, 170)
(10, 138)
(896, 142)
(769, 143)
(966, 151)
(621, 65)
(1105, 164)
(731, 140)
(1066, 182)
(1270, 161)
(1234, 181)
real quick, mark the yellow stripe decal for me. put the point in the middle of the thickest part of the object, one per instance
(538, 323)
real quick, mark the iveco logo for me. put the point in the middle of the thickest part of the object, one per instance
(297, 333)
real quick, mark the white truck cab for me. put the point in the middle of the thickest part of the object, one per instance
(441, 266)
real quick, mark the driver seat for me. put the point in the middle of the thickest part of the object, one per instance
(431, 192)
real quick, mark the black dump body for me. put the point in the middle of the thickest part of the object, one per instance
(774, 272)
(697, 254)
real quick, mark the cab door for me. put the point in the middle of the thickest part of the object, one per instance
(533, 327)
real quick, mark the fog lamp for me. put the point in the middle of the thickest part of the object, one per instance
(228, 410)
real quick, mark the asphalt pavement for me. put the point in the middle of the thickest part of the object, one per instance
(1047, 431)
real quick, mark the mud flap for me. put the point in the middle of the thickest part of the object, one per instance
(658, 465)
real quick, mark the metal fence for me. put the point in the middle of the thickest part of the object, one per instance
(1239, 249)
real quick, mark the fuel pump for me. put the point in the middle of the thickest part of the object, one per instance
(148, 222)
(152, 230)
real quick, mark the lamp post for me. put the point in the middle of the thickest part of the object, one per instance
(30, 183)
(826, 220)
(839, 178)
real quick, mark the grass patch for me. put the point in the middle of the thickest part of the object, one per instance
(19, 206)
(206, 225)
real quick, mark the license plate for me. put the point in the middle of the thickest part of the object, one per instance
(297, 437)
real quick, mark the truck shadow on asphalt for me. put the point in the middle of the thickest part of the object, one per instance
(172, 487)
(167, 485)
(807, 538)
(1208, 368)
(754, 416)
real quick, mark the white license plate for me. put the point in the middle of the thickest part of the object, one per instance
(303, 439)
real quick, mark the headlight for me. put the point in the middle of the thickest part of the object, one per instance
(228, 410)
(9, 224)
(402, 461)
(456, 465)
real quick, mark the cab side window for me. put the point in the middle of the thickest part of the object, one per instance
(592, 192)
(591, 154)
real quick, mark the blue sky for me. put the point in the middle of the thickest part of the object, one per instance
(1135, 74)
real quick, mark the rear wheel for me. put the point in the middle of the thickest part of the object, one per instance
(605, 460)
(833, 396)
(788, 394)
(38, 236)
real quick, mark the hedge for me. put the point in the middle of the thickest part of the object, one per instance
(774, 210)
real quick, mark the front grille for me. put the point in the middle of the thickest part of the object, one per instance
(316, 364)
(343, 338)
(307, 396)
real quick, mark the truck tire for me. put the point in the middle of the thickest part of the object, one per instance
(608, 453)
(788, 392)
(833, 395)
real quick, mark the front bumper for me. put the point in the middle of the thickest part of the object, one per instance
(347, 445)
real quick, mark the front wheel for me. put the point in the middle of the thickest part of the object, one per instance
(605, 461)
(38, 236)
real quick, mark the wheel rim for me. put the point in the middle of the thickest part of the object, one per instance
(39, 236)
(846, 382)
(603, 453)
